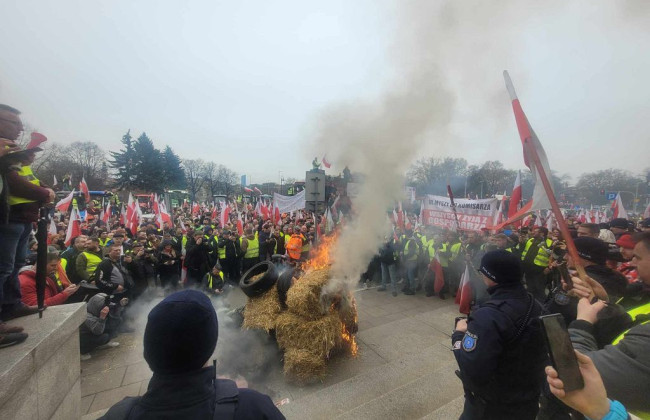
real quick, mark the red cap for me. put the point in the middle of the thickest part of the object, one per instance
(625, 241)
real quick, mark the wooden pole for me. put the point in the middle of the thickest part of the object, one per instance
(571, 247)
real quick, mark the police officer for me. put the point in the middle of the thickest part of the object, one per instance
(500, 349)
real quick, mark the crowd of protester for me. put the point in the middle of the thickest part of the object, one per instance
(516, 275)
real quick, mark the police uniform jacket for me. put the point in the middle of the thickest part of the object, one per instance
(502, 358)
(190, 396)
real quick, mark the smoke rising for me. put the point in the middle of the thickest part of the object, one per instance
(446, 60)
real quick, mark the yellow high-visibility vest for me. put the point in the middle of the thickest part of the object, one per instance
(634, 313)
(253, 250)
(211, 278)
(92, 262)
(25, 172)
(542, 257)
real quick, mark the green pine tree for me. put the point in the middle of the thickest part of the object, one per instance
(148, 165)
(124, 163)
(173, 172)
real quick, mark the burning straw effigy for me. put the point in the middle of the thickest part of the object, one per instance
(311, 328)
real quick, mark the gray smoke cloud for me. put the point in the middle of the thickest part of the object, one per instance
(447, 59)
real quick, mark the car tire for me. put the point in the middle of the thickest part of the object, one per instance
(259, 286)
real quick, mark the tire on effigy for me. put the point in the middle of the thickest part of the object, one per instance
(254, 288)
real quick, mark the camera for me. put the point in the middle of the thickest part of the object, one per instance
(558, 252)
(107, 302)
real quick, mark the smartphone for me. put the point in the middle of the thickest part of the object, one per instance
(561, 351)
(564, 273)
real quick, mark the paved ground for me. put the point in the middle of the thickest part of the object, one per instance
(405, 368)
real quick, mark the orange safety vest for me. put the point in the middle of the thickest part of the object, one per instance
(294, 247)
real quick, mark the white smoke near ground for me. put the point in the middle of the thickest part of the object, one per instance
(251, 355)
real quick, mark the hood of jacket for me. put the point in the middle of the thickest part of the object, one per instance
(96, 303)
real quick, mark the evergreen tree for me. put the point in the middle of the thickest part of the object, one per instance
(124, 162)
(148, 165)
(173, 172)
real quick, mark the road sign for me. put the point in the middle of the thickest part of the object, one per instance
(611, 195)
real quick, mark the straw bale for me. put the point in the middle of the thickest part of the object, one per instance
(256, 277)
(303, 366)
(348, 314)
(303, 298)
(262, 311)
(318, 337)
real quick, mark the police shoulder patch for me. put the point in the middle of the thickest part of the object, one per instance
(469, 341)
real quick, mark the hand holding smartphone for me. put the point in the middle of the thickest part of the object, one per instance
(561, 352)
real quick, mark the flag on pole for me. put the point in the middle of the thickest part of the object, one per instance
(439, 281)
(52, 229)
(122, 215)
(257, 190)
(618, 209)
(515, 197)
(225, 216)
(107, 213)
(465, 292)
(64, 204)
(248, 190)
(55, 183)
(240, 224)
(83, 187)
(646, 213)
(540, 199)
(326, 162)
(329, 222)
(74, 229)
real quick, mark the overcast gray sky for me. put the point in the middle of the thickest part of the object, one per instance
(243, 83)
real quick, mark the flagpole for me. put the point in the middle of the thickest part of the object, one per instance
(453, 206)
(571, 247)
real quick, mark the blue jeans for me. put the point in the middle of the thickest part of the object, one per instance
(13, 251)
(411, 272)
(389, 273)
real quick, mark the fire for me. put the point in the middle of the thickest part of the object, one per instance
(350, 339)
(321, 255)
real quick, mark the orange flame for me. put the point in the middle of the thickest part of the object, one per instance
(321, 255)
(350, 340)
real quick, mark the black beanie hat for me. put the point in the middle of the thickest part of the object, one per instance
(619, 223)
(592, 249)
(501, 267)
(181, 333)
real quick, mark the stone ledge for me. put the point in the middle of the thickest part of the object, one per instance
(20, 362)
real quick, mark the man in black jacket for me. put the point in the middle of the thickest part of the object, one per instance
(230, 264)
(111, 277)
(184, 383)
(197, 259)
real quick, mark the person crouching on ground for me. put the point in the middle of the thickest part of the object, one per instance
(100, 325)
(179, 340)
(213, 281)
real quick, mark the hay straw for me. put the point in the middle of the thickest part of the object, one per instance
(262, 311)
(303, 366)
(303, 298)
(318, 337)
(348, 314)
